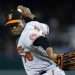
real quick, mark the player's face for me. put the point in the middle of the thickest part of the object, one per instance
(16, 30)
(16, 27)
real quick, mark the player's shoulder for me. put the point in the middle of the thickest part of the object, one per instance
(43, 23)
(33, 22)
(36, 22)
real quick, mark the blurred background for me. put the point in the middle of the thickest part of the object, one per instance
(59, 15)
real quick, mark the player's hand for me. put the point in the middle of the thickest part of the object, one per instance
(20, 51)
(28, 55)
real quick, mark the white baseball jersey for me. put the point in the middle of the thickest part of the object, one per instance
(31, 32)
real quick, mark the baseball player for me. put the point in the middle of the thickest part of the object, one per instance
(34, 48)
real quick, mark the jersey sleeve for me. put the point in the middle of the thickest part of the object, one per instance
(20, 42)
(45, 28)
(24, 39)
(41, 26)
